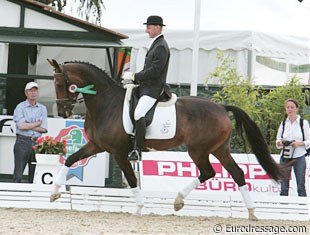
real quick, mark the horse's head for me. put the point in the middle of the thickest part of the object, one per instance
(66, 95)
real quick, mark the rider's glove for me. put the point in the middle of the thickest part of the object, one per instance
(129, 76)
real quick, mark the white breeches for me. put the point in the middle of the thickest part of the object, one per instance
(145, 103)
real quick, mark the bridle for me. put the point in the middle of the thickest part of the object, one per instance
(72, 87)
(64, 74)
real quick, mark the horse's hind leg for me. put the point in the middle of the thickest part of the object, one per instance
(206, 172)
(223, 155)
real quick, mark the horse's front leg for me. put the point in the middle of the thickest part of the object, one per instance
(131, 178)
(87, 150)
(139, 200)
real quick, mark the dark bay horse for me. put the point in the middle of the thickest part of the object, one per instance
(202, 125)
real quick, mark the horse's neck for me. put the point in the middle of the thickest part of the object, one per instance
(107, 91)
(106, 96)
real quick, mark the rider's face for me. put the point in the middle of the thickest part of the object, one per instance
(153, 30)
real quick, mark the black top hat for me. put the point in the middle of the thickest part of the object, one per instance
(154, 20)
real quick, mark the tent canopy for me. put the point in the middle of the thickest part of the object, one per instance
(246, 28)
(264, 43)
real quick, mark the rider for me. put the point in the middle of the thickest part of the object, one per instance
(151, 80)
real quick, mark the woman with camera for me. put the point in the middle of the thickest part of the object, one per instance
(293, 141)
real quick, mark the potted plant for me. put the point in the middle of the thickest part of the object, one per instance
(48, 149)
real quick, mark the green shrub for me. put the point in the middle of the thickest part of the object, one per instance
(265, 107)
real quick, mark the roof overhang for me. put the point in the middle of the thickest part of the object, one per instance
(50, 11)
(58, 38)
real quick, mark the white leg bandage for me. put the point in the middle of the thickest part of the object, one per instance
(246, 196)
(55, 189)
(138, 196)
(194, 184)
(60, 179)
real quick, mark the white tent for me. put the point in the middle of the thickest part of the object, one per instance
(246, 29)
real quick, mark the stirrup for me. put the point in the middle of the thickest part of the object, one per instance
(134, 156)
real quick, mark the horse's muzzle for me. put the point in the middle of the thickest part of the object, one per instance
(64, 111)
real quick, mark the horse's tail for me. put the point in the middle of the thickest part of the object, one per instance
(256, 140)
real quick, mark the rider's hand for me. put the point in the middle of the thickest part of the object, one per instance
(127, 81)
(129, 76)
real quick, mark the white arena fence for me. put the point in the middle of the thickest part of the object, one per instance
(121, 200)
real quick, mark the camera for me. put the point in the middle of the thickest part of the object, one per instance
(287, 142)
(287, 151)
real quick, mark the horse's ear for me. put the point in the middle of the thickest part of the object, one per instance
(54, 64)
(50, 62)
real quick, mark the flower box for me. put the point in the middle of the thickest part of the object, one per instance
(50, 159)
(49, 145)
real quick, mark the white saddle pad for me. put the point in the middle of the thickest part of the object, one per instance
(163, 125)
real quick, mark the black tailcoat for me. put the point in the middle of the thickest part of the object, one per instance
(152, 78)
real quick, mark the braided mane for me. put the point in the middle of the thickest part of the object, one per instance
(96, 69)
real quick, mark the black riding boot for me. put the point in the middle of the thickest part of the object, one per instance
(135, 154)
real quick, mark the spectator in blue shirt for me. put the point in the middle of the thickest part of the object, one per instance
(31, 121)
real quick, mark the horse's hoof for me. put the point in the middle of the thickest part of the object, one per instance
(252, 216)
(178, 206)
(54, 197)
(178, 202)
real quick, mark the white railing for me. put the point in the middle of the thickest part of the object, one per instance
(121, 200)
